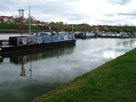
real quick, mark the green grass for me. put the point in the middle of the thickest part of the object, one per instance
(114, 81)
(16, 26)
(9, 26)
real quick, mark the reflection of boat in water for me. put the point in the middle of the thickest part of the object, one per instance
(23, 43)
(27, 58)
(19, 58)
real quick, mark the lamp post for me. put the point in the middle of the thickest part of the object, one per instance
(72, 28)
(29, 17)
(21, 16)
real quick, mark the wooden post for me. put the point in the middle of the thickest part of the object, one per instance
(21, 26)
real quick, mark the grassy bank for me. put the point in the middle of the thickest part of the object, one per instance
(16, 26)
(114, 81)
(9, 26)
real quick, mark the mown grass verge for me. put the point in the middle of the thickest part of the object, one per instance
(114, 81)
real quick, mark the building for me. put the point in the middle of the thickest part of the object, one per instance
(6, 19)
(44, 24)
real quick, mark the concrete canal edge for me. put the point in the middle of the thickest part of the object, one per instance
(114, 81)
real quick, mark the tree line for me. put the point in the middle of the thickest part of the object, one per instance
(60, 26)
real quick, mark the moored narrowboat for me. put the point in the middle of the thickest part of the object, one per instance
(24, 43)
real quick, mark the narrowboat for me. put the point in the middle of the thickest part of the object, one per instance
(36, 42)
(85, 35)
(80, 35)
(114, 35)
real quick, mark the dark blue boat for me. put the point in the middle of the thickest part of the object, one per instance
(85, 35)
(22, 43)
(80, 35)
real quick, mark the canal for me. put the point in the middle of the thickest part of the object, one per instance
(24, 76)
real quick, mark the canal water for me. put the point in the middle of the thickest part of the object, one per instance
(24, 76)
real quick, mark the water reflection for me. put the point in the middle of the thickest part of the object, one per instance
(22, 71)
(24, 76)
(129, 43)
(25, 87)
(124, 46)
(21, 58)
(111, 54)
(1, 60)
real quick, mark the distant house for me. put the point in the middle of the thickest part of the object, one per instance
(95, 27)
(6, 19)
(41, 24)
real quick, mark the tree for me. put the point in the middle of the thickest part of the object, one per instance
(59, 23)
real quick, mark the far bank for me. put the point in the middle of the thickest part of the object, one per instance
(14, 28)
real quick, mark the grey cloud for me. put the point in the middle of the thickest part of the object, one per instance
(61, 9)
(50, 7)
(120, 2)
(75, 17)
(115, 21)
(127, 14)
(12, 5)
(109, 15)
(56, 8)
(108, 21)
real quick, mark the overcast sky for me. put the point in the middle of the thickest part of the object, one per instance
(93, 12)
